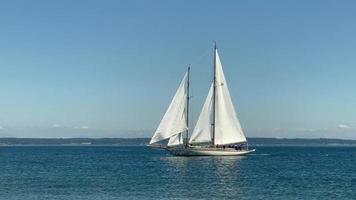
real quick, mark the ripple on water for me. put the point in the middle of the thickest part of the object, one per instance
(143, 173)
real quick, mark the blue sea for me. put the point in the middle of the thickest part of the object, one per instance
(137, 172)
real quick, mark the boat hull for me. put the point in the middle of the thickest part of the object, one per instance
(208, 152)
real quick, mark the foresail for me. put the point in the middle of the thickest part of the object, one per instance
(227, 126)
(174, 120)
(202, 130)
(175, 140)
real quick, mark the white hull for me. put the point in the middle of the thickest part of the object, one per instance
(208, 152)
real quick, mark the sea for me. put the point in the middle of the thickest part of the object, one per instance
(138, 172)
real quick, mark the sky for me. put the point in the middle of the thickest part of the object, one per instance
(110, 68)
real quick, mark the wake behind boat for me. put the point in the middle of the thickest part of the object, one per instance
(218, 131)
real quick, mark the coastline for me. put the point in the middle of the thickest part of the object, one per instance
(11, 141)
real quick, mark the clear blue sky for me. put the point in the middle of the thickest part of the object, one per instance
(110, 68)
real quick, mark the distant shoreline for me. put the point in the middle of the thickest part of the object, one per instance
(12, 141)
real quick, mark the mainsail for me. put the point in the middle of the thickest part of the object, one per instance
(227, 126)
(174, 120)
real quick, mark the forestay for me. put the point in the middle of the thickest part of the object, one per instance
(174, 120)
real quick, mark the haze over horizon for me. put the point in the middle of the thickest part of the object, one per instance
(110, 69)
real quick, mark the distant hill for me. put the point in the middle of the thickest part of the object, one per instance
(74, 141)
(144, 141)
(300, 141)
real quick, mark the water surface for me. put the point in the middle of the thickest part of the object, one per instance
(136, 172)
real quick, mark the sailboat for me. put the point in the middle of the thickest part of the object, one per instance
(217, 132)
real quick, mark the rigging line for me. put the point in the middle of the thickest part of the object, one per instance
(191, 92)
(198, 59)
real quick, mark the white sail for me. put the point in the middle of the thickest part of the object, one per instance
(175, 140)
(174, 120)
(202, 130)
(227, 126)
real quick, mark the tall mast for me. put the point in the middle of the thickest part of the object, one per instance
(187, 113)
(214, 88)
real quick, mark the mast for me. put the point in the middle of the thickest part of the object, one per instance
(214, 95)
(187, 111)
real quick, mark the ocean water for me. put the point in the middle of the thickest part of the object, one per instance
(111, 172)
